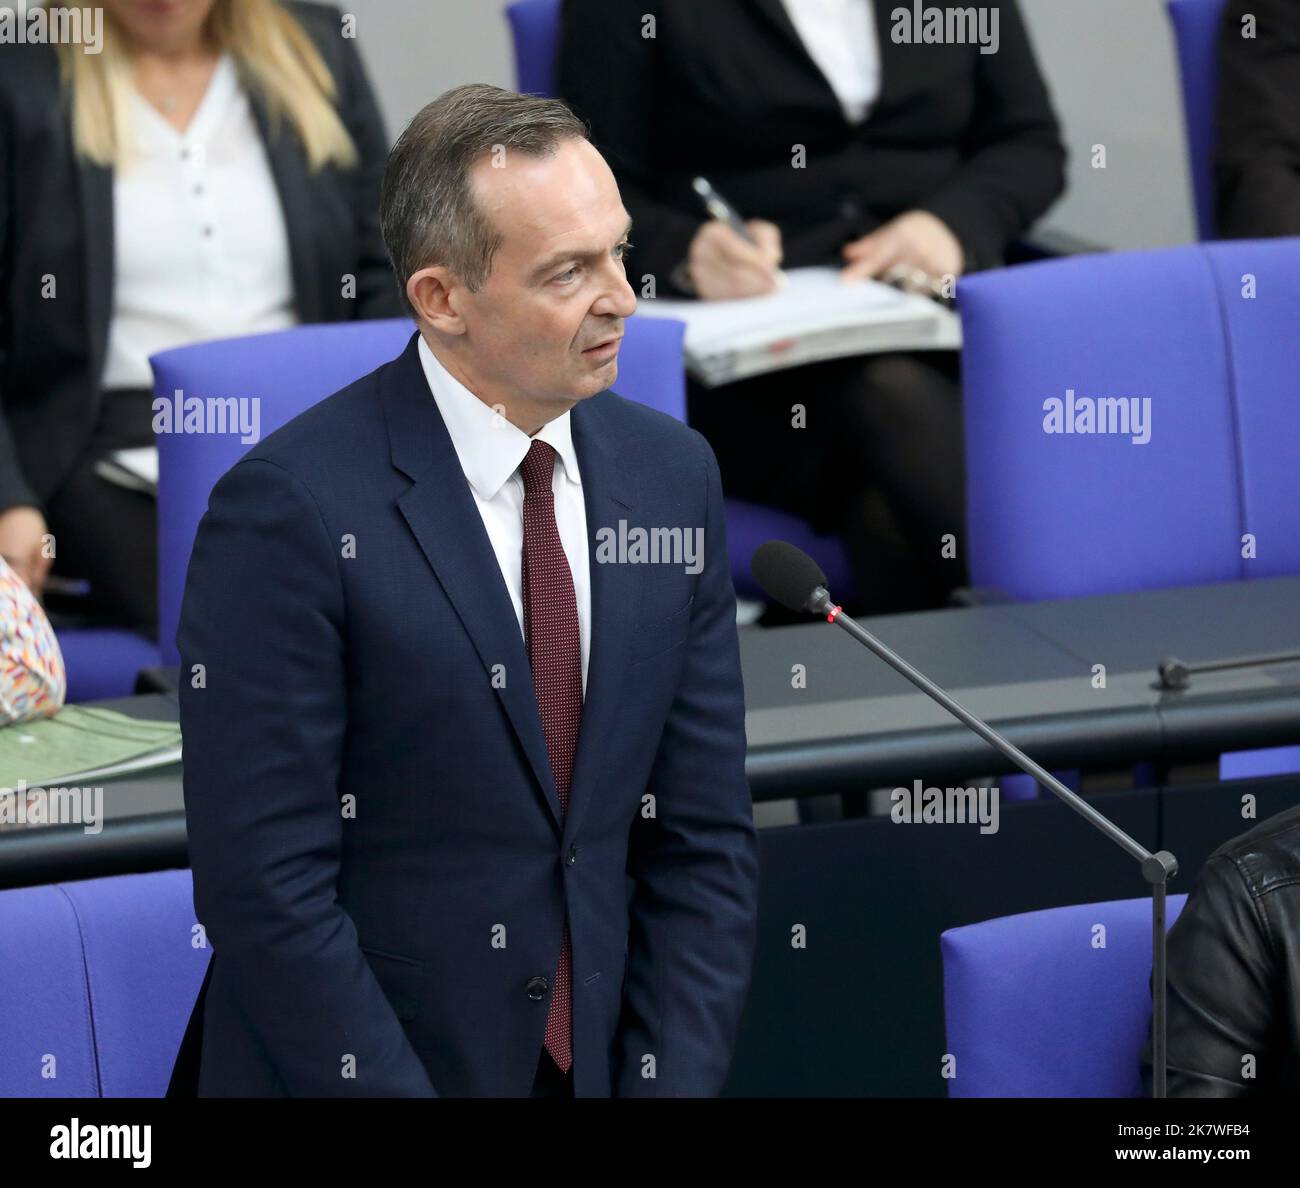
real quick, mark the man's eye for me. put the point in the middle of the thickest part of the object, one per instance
(624, 248)
(565, 277)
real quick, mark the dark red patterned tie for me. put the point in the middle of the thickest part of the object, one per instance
(555, 654)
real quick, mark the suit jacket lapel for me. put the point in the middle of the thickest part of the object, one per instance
(96, 197)
(881, 14)
(289, 170)
(439, 508)
(606, 489)
(774, 12)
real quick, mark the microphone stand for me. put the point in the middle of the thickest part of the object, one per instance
(1157, 868)
(1174, 674)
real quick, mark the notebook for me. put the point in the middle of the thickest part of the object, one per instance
(135, 469)
(813, 316)
(84, 742)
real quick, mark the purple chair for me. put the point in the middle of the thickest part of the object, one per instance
(1196, 33)
(99, 978)
(289, 371)
(1035, 1008)
(103, 661)
(535, 28)
(286, 372)
(1078, 514)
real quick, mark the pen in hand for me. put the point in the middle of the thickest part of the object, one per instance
(719, 208)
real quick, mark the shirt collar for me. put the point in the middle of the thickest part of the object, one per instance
(489, 448)
(222, 90)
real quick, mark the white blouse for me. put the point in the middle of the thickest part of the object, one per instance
(840, 36)
(201, 250)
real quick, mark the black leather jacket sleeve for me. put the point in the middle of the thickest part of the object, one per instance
(1224, 999)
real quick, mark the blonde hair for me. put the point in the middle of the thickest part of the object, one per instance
(272, 53)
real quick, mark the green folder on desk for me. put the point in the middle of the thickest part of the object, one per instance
(82, 743)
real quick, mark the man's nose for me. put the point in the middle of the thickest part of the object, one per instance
(618, 300)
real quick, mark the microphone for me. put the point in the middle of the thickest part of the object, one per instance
(788, 576)
(792, 578)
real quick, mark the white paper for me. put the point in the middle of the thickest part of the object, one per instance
(811, 299)
(812, 317)
(136, 469)
(141, 462)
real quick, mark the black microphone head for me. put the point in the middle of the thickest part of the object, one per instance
(786, 574)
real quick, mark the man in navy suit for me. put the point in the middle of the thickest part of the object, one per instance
(464, 769)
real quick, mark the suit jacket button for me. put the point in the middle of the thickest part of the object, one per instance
(573, 856)
(537, 987)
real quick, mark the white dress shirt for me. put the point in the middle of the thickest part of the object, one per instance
(490, 450)
(199, 241)
(840, 36)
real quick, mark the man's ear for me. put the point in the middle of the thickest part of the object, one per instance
(436, 294)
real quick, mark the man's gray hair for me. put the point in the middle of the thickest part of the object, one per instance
(427, 210)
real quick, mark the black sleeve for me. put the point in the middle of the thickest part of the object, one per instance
(607, 73)
(14, 488)
(377, 295)
(1222, 992)
(1257, 159)
(1014, 166)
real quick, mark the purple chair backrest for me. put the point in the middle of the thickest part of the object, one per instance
(1201, 339)
(535, 27)
(280, 375)
(101, 977)
(1196, 33)
(289, 371)
(1035, 1006)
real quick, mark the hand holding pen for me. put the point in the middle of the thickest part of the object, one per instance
(731, 257)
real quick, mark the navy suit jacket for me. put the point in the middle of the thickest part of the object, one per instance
(380, 863)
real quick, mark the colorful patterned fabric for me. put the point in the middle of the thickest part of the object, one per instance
(32, 679)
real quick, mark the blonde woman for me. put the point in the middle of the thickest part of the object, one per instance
(214, 171)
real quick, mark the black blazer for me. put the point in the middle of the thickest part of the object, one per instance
(56, 218)
(727, 89)
(1257, 159)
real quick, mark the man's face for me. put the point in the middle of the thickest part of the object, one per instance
(546, 324)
